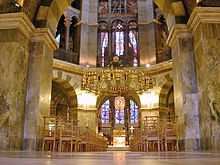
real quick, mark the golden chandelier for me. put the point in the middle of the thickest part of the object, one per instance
(116, 81)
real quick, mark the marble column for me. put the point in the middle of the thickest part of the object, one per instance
(15, 32)
(147, 44)
(88, 43)
(39, 86)
(205, 26)
(185, 88)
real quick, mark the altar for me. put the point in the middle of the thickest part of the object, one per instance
(119, 138)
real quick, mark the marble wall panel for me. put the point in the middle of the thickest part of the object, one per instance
(208, 75)
(185, 90)
(13, 67)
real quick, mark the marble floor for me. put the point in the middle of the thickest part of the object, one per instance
(109, 158)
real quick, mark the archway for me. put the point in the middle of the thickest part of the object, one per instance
(63, 100)
(68, 37)
(117, 115)
(166, 100)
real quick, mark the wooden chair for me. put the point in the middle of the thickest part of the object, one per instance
(136, 143)
(152, 134)
(91, 142)
(68, 137)
(49, 133)
(170, 136)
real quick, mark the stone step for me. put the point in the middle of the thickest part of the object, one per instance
(112, 148)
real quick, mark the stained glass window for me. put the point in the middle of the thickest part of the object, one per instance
(119, 39)
(119, 116)
(105, 109)
(133, 41)
(119, 109)
(118, 18)
(133, 112)
(119, 43)
(104, 43)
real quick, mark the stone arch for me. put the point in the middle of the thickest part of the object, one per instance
(74, 31)
(165, 91)
(50, 12)
(70, 84)
(134, 97)
(165, 5)
(63, 93)
(73, 79)
(102, 98)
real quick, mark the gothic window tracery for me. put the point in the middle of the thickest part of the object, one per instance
(119, 6)
(119, 37)
(133, 43)
(119, 112)
(103, 42)
(119, 116)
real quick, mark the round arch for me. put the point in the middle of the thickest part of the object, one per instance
(64, 93)
(50, 12)
(102, 98)
(165, 92)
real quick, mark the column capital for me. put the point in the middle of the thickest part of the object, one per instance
(71, 12)
(18, 21)
(178, 31)
(44, 35)
(203, 15)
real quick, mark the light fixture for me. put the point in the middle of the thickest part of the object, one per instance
(147, 65)
(149, 99)
(116, 81)
(86, 99)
